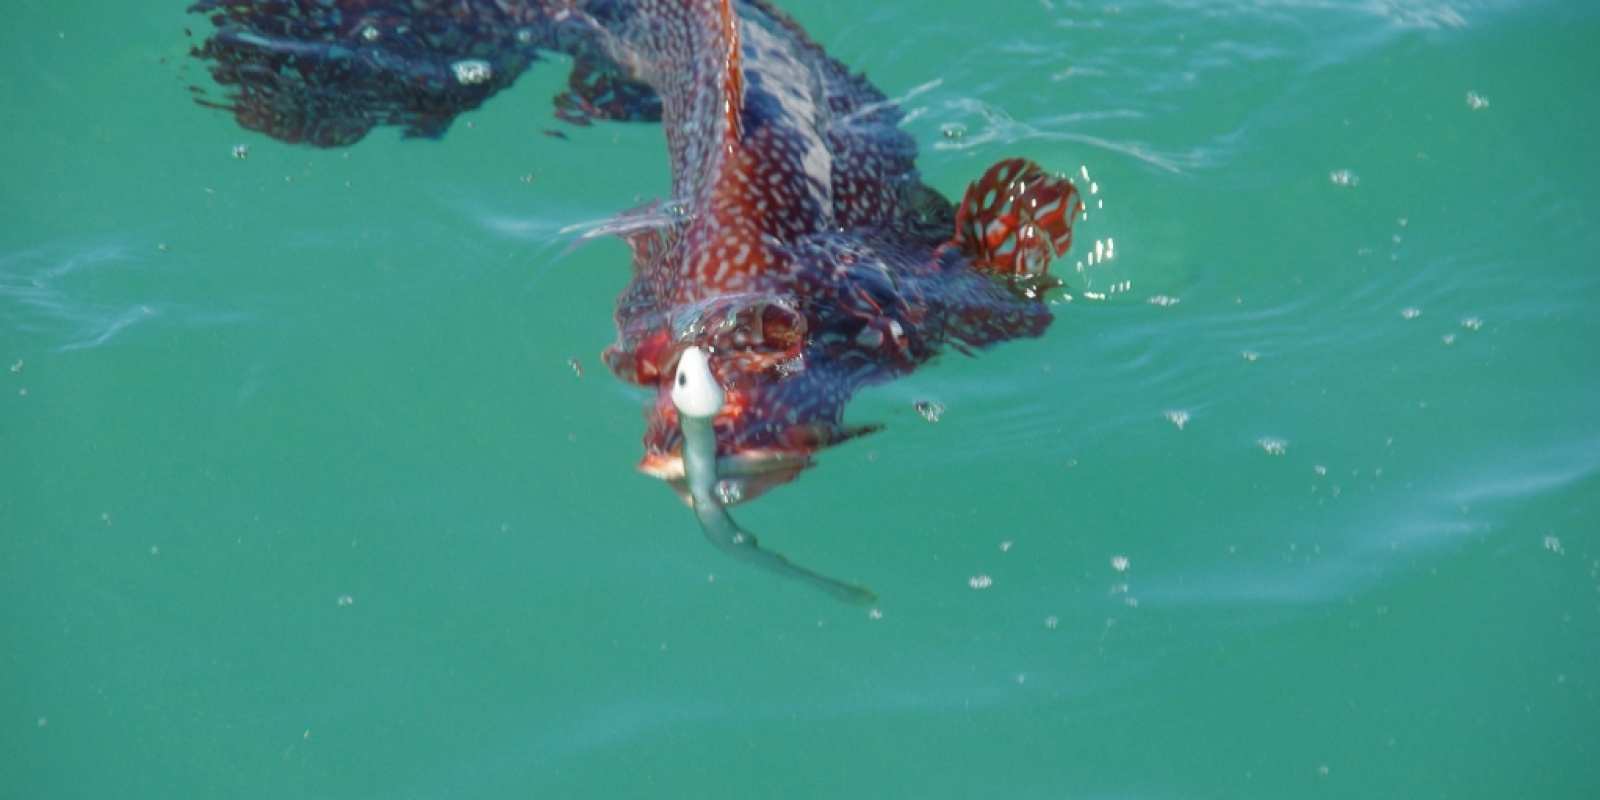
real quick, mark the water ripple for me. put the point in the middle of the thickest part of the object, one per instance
(69, 297)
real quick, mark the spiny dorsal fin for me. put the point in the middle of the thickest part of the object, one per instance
(733, 73)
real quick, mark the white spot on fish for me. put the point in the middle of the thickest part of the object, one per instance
(472, 71)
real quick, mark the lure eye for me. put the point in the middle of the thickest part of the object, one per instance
(696, 392)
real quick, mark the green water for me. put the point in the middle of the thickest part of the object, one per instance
(300, 496)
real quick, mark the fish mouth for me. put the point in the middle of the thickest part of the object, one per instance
(754, 468)
(741, 476)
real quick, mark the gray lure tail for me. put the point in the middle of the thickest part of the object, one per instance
(726, 534)
(698, 399)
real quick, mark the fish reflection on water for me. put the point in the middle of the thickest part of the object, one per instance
(800, 257)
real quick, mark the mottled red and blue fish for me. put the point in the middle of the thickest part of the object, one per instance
(799, 256)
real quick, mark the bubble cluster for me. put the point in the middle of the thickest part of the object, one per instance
(730, 491)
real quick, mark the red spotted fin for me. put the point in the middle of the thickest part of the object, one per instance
(1015, 219)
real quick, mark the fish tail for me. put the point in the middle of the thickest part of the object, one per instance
(327, 72)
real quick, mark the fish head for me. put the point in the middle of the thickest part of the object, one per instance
(783, 393)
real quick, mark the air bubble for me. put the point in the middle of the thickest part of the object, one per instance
(1344, 177)
(730, 491)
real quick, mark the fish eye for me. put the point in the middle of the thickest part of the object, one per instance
(683, 380)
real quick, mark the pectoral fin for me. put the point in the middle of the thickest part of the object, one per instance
(1014, 220)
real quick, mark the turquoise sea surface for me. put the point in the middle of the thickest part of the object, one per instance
(313, 485)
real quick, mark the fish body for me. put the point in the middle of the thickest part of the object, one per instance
(798, 248)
